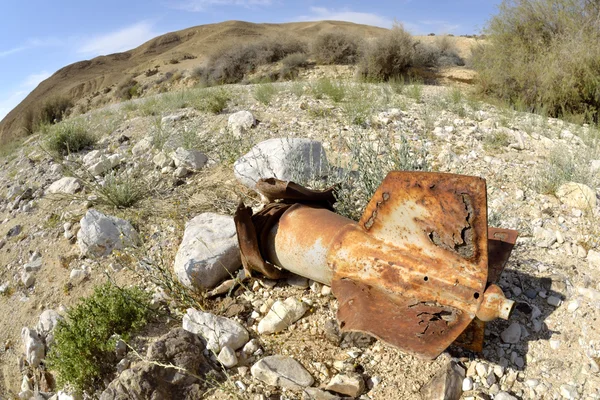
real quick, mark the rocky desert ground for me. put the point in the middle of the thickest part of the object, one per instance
(61, 236)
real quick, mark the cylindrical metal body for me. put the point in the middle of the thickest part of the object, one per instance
(301, 240)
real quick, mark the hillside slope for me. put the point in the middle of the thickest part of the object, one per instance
(172, 51)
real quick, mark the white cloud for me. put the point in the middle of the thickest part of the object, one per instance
(322, 13)
(117, 41)
(201, 5)
(14, 50)
(29, 44)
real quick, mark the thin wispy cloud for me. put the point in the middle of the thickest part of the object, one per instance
(322, 13)
(203, 5)
(30, 44)
(119, 40)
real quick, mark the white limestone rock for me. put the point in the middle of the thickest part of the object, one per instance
(34, 347)
(577, 195)
(240, 122)
(283, 372)
(65, 185)
(219, 332)
(281, 315)
(209, 251)
(282, 158)
(100, 234)
(191, 159)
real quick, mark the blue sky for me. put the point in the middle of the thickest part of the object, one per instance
(38, 37)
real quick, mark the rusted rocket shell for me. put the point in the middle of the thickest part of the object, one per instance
(412, 272)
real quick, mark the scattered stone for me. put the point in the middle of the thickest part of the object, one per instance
(105, 164)
(33, 266)
(192, 159)
(149, 381)
(161, 160)
(34, 347)
(554, 301)
(227, 357)
(218, 331)
(66, 185)
(14, 231)
(4, 288)
(287, 159)
(28, 279)
(181, 172)
(573, 306)
(467, 384)
(282, 371)
(593, 258)
(577, 195)
(251, 347)
(591, 294)
(446, 384)
(209, 251)
(311, 393)
(281, 315)
(100, 234)
(240, 122)
(77, 276)
(47, 322)
(544, 237)
(568, 392)
(512, 334)
(142, 147)
(504, 396)
(350, 384)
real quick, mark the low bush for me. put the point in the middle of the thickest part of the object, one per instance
(213, 100)
(543, 54)
(264, 93)
(291, 65)
(128, 90)
(122, 191)
(54, 110)
(387, 56)
(335, 48)
(336, 91)
(68, 137)
(231, 64)
(83, 352)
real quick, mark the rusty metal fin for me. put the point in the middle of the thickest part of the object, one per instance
(431, 211)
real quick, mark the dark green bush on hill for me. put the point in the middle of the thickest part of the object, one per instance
(544, 55)
(83, 352)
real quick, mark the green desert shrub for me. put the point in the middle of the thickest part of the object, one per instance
(543, 54)
(122, 191)
(68, 137)
(291, 65)
(128, 90)
(83, 352)
(54, 110)
(231, 64)
(264, 93)
(213, 100)
(335, 48)
(335, 90)
(387, 56)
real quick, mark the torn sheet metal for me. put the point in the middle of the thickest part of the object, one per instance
(412, 272)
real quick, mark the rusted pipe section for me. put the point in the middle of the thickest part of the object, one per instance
(412, 272)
